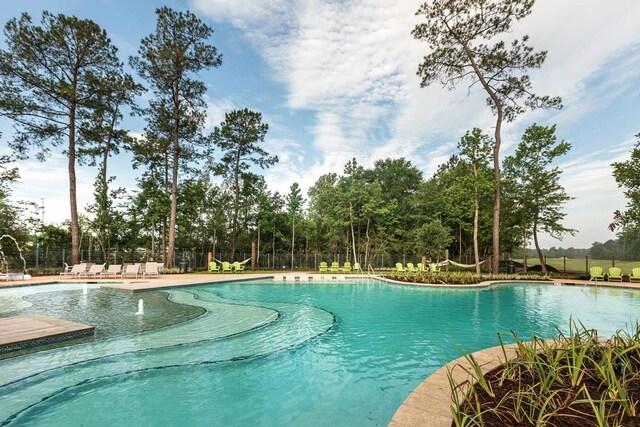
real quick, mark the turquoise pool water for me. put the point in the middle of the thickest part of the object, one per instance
(284, 354)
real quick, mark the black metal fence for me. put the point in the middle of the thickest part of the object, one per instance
(47, 260)
(37, 259)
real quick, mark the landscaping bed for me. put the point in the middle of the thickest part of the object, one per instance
(461, 278)
(574, 380)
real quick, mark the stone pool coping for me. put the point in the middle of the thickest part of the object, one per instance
(430, 403)
(488, 283)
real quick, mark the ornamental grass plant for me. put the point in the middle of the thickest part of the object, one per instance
(573, 380)
(460, 277)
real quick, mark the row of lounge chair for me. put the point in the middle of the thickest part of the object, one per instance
(418, 268)
(151, 269)
(335, 267)
(226, 267)
(615, 274)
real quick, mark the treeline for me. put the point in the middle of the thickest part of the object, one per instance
(625, 247)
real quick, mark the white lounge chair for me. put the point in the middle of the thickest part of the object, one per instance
(67, 270)
(113, 271)
(131, 270)
(76, 270)
(151, 269)
(94, 270)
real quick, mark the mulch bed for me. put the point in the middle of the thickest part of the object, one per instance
(566, 412)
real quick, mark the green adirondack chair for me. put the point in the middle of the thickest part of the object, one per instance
(226, 267)
(323, 267)
(411, 268)
(346, 267)
(420, 267)
(400, 268)
(335, 267)
(238, 267)
(433, 267)
(213, 266)
(635, 275)
(615, 274)
(356, 267)
(596, 273)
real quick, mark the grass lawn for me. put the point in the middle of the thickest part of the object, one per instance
(579, 264)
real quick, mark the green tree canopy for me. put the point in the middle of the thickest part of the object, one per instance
(627, 175)
(168, 60)
(536, 184)
(467, 44)
(239, 138)
(53, 78)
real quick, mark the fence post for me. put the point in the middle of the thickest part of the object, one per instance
(613, 261)
(587, 260)
(62, 257)
(37, 256)
(565, 263)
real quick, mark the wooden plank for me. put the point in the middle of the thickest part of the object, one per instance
(28, 330)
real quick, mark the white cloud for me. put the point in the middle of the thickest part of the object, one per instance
(589, 180)
(49, 181)
(216, 111)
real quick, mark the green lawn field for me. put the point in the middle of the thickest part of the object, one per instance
(579, 264)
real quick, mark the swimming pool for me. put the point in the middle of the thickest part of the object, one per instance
(268, 353)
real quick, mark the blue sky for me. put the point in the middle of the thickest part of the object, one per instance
(336, 80)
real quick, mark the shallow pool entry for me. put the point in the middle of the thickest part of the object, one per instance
(112, 312)
(286, 354)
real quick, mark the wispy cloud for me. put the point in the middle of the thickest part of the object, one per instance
(353, 64)
(49, 181)
(216, 111)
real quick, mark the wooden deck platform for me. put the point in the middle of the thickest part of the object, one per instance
(26, 331)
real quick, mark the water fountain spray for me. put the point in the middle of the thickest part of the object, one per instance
(24, 262)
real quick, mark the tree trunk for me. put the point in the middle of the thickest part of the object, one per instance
(524, 251)
(460, 242)
(293, 238)
(253, 255)
(236, 201)
(496, 157)
(476, 253)
(258, 253)
(496, 204)
(73, 203)
(353, 235)
(153, 241)
(366, 249)
(174, 199)
(540, 257)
